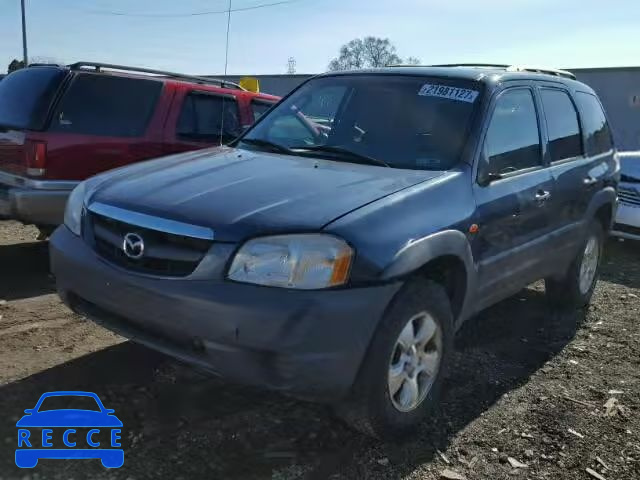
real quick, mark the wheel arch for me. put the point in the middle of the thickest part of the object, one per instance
(444, 257)
(602, 207)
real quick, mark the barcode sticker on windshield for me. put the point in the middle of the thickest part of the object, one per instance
(452, 93)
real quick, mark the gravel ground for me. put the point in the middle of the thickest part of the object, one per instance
(534, 394)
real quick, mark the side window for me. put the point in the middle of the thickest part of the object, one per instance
(207, 118)
(513, 139)
(595, 124)
(562, 124)
(106, 105)
(259, 107)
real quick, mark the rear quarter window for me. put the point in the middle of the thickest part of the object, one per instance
(596, 127)
(26, 96)
(106, 106)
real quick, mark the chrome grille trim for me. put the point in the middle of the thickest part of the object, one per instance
(151, 222)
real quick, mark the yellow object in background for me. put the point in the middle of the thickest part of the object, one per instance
(251, 84)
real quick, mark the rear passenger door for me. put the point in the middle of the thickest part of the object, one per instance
(204, 119)
(576, 157)
(512, 194)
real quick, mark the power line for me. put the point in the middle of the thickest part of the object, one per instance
(192, 14)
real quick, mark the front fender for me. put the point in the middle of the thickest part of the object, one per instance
(603, 197)
(420, 252)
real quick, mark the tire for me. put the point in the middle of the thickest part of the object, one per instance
(371, 408)
(574, 291)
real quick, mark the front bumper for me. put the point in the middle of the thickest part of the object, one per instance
(38, 202)
(306, 343)
(627, 224)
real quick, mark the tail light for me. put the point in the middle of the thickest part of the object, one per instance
(36, 158)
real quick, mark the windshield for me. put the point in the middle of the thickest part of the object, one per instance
(66, 402)
(412, 122)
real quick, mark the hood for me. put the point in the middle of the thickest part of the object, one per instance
(241, 193)
(69, 418)
(630, 165)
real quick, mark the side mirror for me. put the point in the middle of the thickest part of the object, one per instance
(485, 175)
(483, 172)
(109, 411)
(29, 411)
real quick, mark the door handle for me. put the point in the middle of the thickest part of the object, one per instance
(589, 181)
(542, 196)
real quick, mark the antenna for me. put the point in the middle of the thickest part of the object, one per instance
(226, 63)
(291, 66)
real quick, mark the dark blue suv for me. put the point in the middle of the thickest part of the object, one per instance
(332, 251)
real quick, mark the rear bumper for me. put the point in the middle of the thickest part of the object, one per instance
(627, 224)
(305, 343)
(38, 202)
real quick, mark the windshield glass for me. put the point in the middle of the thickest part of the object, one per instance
(412, 122)
(65, 402)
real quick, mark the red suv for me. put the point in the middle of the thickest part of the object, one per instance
(60, 125)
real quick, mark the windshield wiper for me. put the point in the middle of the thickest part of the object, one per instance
(266, 143)
(344, 153)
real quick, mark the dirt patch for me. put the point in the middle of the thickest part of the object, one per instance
(530, 395)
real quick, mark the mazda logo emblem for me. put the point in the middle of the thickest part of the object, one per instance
(133, 246)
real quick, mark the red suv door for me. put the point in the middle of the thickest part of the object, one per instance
(201, 119)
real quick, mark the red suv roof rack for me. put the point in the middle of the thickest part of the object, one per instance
(178, 76)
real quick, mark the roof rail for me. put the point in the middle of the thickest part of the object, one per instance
(547, 71)
(478, 65)
(446, 65)
(59, 65)
(178, 76)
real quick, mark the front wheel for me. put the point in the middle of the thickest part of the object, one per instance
(575, 289)
(402, 374)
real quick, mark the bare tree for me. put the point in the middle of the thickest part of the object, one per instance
(352, 56)
(15, 65)
(45, 59)
(368, 52)
(412, 61)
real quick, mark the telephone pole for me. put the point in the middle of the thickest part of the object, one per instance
(25, 57)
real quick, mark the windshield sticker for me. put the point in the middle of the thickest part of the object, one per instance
(451, 93)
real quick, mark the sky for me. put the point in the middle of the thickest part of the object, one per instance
(550, 33)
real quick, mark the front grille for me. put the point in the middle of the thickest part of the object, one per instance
(165, 254)
(629, 196)
(619, 227)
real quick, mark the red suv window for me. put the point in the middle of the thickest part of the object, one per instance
(205, 117)
(106, 105)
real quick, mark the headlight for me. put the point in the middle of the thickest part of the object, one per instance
(73, 211)
(306, 261)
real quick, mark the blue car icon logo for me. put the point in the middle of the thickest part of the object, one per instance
(92, 431)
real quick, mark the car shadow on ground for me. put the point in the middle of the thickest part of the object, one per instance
(626, 253)
(180, 422)
(24, 270)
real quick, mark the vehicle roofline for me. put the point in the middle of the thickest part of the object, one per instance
(486, 76)
(61, 393)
